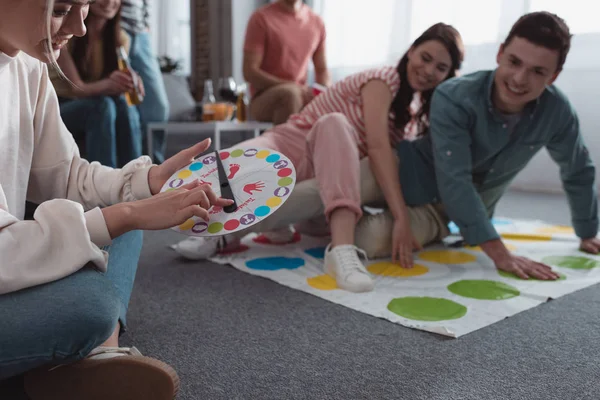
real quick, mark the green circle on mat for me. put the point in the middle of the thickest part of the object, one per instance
(505, 274)
(483, 289)
(572, 262)
(215, 227)
(427, 308)
(237, 153)
(285, 181)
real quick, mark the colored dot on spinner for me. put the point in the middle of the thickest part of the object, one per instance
(272, 158)
(285, 181)
(196, 166)
(186, 173)
(273, 201)
(237, 153)
(175, 183)
(263, 154)
(200, 227)
(284, 172)
(231, 224)
(281, 191)
(224, 155)
(215, 227)
(250, 152)
(262, 211)
(189, 224)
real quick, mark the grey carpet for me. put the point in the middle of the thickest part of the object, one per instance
(231, 335)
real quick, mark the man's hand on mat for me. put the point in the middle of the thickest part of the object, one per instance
(591, 245)
(403, 243)
(158, 174)
(525, 268)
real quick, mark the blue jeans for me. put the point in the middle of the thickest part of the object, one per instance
(109, 127)
(155, 107)
(62, 321)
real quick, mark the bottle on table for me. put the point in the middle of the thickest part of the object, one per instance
(133, 97)
(208, 101)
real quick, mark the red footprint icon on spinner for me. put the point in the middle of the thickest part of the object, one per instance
(254, 187)
(233, 169)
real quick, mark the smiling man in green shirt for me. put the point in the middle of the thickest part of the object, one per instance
(485, 127)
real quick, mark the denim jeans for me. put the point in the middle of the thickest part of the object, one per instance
(62, 321)
(109, 127)
(155, 107)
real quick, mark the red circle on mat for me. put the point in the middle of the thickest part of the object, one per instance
(224, 155)
(231, 224)
(284, 172)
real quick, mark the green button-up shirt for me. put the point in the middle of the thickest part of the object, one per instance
(474, 158)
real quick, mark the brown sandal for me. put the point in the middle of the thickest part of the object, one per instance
(107, 373)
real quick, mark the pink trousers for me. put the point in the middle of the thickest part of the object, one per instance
(328, 152)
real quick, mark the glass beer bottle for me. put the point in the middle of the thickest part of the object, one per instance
(133, 97)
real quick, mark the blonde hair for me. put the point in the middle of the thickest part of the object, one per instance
(53, 60)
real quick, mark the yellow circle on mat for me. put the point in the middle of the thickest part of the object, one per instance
(447, 257)
(186, 173)
(526, 239)
(273, 201)
(322, 282)
(555, 229)
(509, 246)
(189, 224)
(396, 271)
(263, 154)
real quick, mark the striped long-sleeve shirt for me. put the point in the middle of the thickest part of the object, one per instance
(135, 15)
(345, 97)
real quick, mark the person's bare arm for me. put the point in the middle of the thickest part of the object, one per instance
(119, 82)
(377, 98)
(322, 75)
(258, 78)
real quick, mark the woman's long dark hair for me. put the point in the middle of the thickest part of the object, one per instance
(449, 37)
(111, 36)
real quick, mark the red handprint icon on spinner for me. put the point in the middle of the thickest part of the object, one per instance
(254, 187)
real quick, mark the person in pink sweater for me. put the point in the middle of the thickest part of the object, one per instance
(66, 276)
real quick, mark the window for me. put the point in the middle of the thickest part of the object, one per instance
(464, 15)
(580, 15)
(171, 31)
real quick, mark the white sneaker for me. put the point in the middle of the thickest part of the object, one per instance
(200, 248)
(343, 264)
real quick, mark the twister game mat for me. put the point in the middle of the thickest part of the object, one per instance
(450, 291)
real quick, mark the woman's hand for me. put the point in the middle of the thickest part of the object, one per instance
(159, 174)
(117, 83)
(163, 211)
(403, 243)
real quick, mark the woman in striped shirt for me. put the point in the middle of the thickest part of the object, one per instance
(365, 114)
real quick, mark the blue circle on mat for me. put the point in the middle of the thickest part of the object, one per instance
(316, 252)
(262, 211)
(272, 158)
(196, 166)
(275, 263)
(498, 221)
